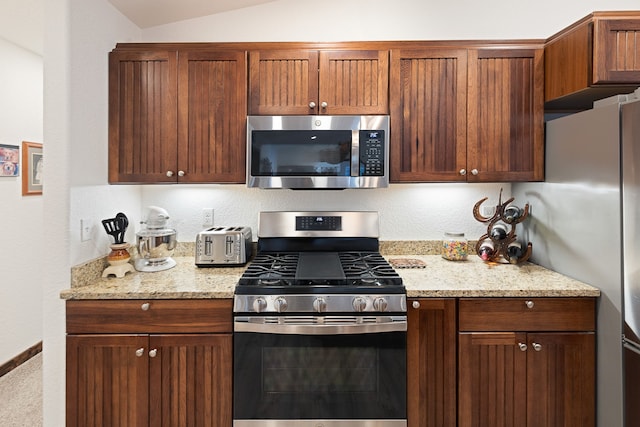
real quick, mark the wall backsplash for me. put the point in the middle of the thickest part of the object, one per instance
(407, 211)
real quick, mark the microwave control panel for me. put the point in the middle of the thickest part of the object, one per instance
(372, 153)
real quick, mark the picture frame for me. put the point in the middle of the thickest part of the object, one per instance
(32, 163)
(9, 160)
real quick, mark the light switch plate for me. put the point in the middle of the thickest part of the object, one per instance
(85, 229)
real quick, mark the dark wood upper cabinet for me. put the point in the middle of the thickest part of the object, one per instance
(212, 109)
(467, 114)
(303, 81)
(597, 57)
(177, 116)
(505, 127)
(428, 114)
(143, 118)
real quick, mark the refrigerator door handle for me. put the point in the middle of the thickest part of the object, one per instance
(631, 345)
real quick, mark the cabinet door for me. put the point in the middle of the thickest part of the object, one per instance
(191, 380)
(354, 82)
(428, 115)
(493, 383)
(505, 138)
(283, 82)
(616, 51)
(142, 116)
(431, 367)
(561, 379)
(211, 116)
(107, 380)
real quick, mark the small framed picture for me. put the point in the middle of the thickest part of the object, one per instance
(9, 160)
(32, 162)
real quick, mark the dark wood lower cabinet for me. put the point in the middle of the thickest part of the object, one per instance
(526, 379)
(149, 379)
(431, 363)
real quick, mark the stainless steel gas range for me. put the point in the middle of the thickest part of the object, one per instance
(319, 326)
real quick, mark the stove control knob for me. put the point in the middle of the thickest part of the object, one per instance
(380, 304)
(259, 304)
(281, 304)
(320, 304)
(359, 304)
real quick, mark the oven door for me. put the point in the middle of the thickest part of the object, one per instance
(320, 371)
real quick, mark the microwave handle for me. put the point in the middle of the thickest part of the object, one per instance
(355, 152)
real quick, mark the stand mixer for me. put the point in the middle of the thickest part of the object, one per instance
(155, 242)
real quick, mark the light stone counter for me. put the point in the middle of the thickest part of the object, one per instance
(185, 280)
(440, 278)
(474, 278)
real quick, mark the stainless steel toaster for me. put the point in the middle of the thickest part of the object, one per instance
(223, 246)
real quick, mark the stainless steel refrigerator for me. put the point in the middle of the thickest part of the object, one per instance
(585, 223)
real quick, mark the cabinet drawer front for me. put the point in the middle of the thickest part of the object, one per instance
(149, 316)
(527, 314)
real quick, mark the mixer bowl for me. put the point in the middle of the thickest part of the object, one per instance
(155, 247)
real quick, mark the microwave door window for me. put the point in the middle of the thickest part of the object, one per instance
(301, 153)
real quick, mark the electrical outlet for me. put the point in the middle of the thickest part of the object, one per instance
(207, 217)
(85, 229)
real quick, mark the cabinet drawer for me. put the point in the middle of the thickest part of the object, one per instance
(526, 314)
(149, 316)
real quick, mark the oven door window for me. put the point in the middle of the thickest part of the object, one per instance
(320, 377)
(301, 153)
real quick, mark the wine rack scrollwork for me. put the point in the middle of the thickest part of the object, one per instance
(501, 227)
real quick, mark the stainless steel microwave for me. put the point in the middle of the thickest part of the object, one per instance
(318, 152)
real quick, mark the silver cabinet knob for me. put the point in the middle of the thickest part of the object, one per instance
(145, 306)
(320, 305)
(180, 173)
(359, 304)
(139, 352)
(153, 353)
(380, 304)
(463, 172)
(280, 304)
(529, 304)
(522, 346)
(324, 104)
(259, 304)
(169, 174)
(416, 304)
(312, 104)
(474, 171)
(536, 346)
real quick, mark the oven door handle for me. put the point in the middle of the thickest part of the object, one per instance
(318, 326)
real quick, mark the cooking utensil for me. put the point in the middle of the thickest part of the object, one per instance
(116, 227)
(122, 222)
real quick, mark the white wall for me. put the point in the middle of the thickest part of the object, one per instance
(78, 35)
(22, 241)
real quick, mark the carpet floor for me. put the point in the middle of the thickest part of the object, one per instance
(21, 395)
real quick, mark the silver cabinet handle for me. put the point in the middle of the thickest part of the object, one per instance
(474, 171)
(312, 104)
(536, 346)
(139, 352)
(180, 173)
(463, 172)
(522, 346)
(145, 306)
(169, 174)
(324, 104)
(529, 304)
(416, 304)
(153, 353)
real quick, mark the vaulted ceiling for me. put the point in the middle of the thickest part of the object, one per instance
(22, 21)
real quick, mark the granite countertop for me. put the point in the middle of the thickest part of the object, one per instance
(440, 278)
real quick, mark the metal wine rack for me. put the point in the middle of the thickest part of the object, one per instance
(501, 245)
